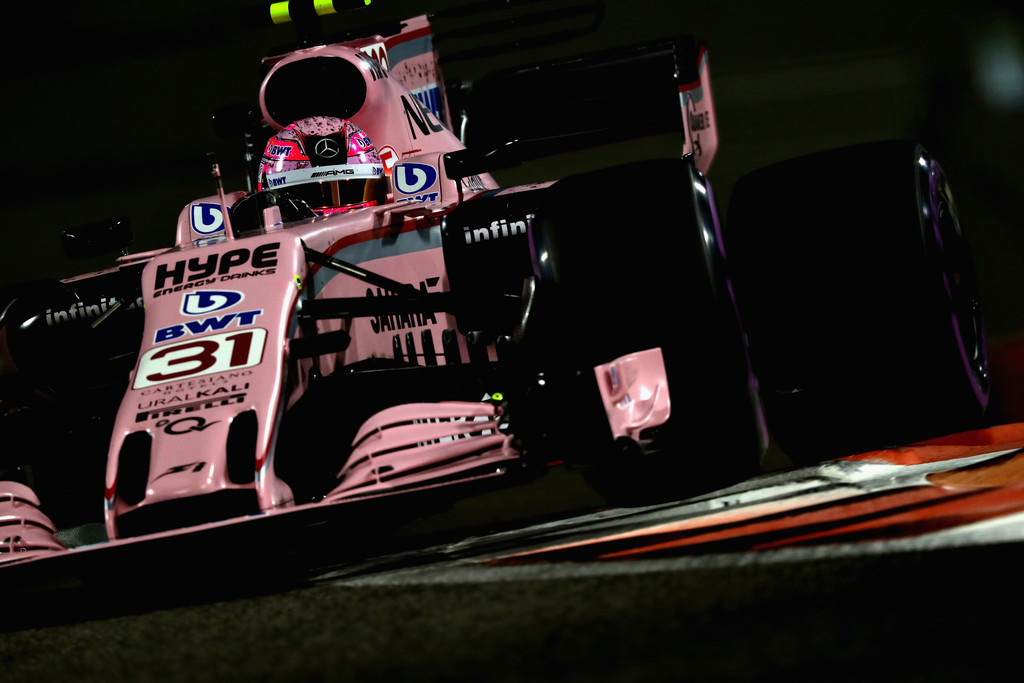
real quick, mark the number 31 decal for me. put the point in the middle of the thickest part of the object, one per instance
(204, 356)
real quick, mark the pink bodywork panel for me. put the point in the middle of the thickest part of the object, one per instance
(634, 390)
(214, 346)
(24, 530)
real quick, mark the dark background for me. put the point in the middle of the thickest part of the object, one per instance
(110, 112)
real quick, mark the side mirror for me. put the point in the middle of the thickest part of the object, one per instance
(94, 239)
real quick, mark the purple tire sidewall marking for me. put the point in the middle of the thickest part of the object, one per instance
(935, 175)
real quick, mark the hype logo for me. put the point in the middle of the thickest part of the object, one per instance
(205, 302)
(412, 178)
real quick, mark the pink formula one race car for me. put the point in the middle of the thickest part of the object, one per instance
(376, 317)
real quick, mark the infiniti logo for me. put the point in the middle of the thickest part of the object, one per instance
(327, 148)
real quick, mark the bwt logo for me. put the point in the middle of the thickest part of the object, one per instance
(206, 218)
(204, 325)
(413, 178)
(205, 302)
(426, 197)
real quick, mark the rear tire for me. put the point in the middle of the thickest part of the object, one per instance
(856, 288)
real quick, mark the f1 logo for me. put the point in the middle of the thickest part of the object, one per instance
(413, 178)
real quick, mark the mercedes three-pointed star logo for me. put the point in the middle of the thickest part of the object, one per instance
(327, 148)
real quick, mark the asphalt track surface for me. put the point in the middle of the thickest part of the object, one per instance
(915, 616)
(437, 602)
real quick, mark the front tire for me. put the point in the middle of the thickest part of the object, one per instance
(614, 278)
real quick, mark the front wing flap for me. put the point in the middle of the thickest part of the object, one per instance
(419, 444)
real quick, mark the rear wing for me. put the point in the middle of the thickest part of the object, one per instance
(562, 105)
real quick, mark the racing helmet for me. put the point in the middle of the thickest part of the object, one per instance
(326, 162)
